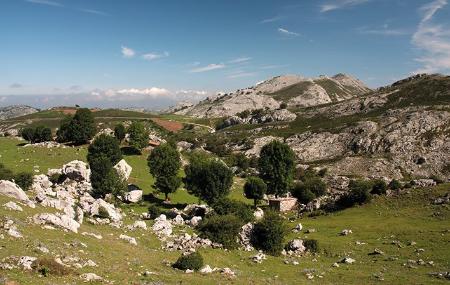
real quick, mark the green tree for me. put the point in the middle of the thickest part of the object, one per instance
(28, 134)
(379, 187)
(227, 206)
(103, 154)
(119, 132)
(42, 134)
(164, 163)
(82, 126)
(208, 179)
(255, 188)
(309, 189)
(221, 229)
(276, 167)
(138, 136)
(63, 132)
(269, 233)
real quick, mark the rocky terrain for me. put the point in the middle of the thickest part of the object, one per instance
(16, 111)
(292, 90)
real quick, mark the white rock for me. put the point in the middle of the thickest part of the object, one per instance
(140, 225)
(123, 169)
(89, 277)
(25, 262)
(348, 260)
(13, 206)
(92, 235)
(258, 214)
(228, 272)
(195, 221)
(296, 245)
(59, 220)
(346, 232)
(162, 227)
(259, 257)
(12, 231)
(206, 269)
(131, 240)
(90, 263)
(178, 220)
(77, 170)
(12, 190)
(298, 228)
(133, 196)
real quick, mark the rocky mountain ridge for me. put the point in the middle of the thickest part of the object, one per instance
(14, 111)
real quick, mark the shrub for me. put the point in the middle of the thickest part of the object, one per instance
(119, 132)
(322, 172)
(24, 180)
(226, 206)
(303, 194)
(138, 136)
(269, 234)
(255, 189)
(28, 134)
(37, 135)
(56, 178)
(5, 173)
(379, 187)
(208, 179)
(395, 185)
(437, 179)
(154, 211)
(359, 193)
(221, 229)
(48, 266)
(311, 245)
(283, 105)
(192, 261)
(276, 167)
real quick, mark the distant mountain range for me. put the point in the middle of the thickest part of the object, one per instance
(293, 90)
(16, 111)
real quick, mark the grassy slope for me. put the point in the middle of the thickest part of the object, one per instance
(409, 217)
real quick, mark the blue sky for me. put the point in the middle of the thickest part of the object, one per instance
(152, 53)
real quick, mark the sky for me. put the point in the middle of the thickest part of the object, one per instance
(151, 54)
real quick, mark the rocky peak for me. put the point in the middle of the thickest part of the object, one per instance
(16, 111)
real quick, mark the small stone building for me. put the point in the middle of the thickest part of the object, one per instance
(283, 204)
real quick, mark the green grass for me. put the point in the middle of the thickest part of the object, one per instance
(291, 91)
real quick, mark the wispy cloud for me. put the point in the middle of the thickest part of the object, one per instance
(46, 2)
(271, 20)
(128, 52)
(274, 66)
(209, 67)
(196, 92)
(339, 4)
(240, 60)
(95, 12)
(130, 94)
(433, 40)
(286, 32)
(385, 30)
(241, 74)
(153, 55)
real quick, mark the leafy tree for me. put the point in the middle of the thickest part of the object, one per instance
(303, 194)
(119, 132)
(164, 163)
(24, 180)
(82, 126)
(5, 173)
(276, 167)
(42, 134)
(309, 189)
(103, 154)
(283, 105)
(208, 179)
(227, 206)
(138, 136)
(221, 229)
(359, 193)
(255, 188)
(269, 233)
(63, 132)
(28, 134)
(105, 146)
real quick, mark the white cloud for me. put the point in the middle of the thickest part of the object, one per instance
(241, 74)
(339, 4)
(209, 67)
(131, 94)
(128, 52)
(240, 60)
(2, 99)
(385, 30)
(271, 20)
(45, 2)
(433, 40)
(196, 92)
(287, 32)
(95, 12)
(153, 55)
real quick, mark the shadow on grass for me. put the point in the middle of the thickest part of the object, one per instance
(128, 150)
(21, 144)
(151, 198)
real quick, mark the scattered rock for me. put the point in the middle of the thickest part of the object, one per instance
(97, 236)
(90, 277)
(77, 170)
(259, 257)
(298, 228)
(346, 232)
(195, 221)
(133, 196)
(258, 214)
(206, 270)
(347, 260)
(13, 206)
(130, 240)
(162, 227)
(123, 169)
(59, 220)
(376, 252)
(25, 262)
(244, 237)
(12, 190)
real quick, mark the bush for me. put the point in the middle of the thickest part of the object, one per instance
(283, 105)
(24, 180)
(303, 194)
(5, 173)
(119, 132)
(221, 229)
(57, 178)
(269, 234)
(37, 135)
(311, 245)
(154, 211)
(208, 179)
(276, 167)
(48, 266)
(359, 193)
(255, 189)
(138, 136)
(226, 206)
(192, 261)
(379, 187)
(395, 185)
